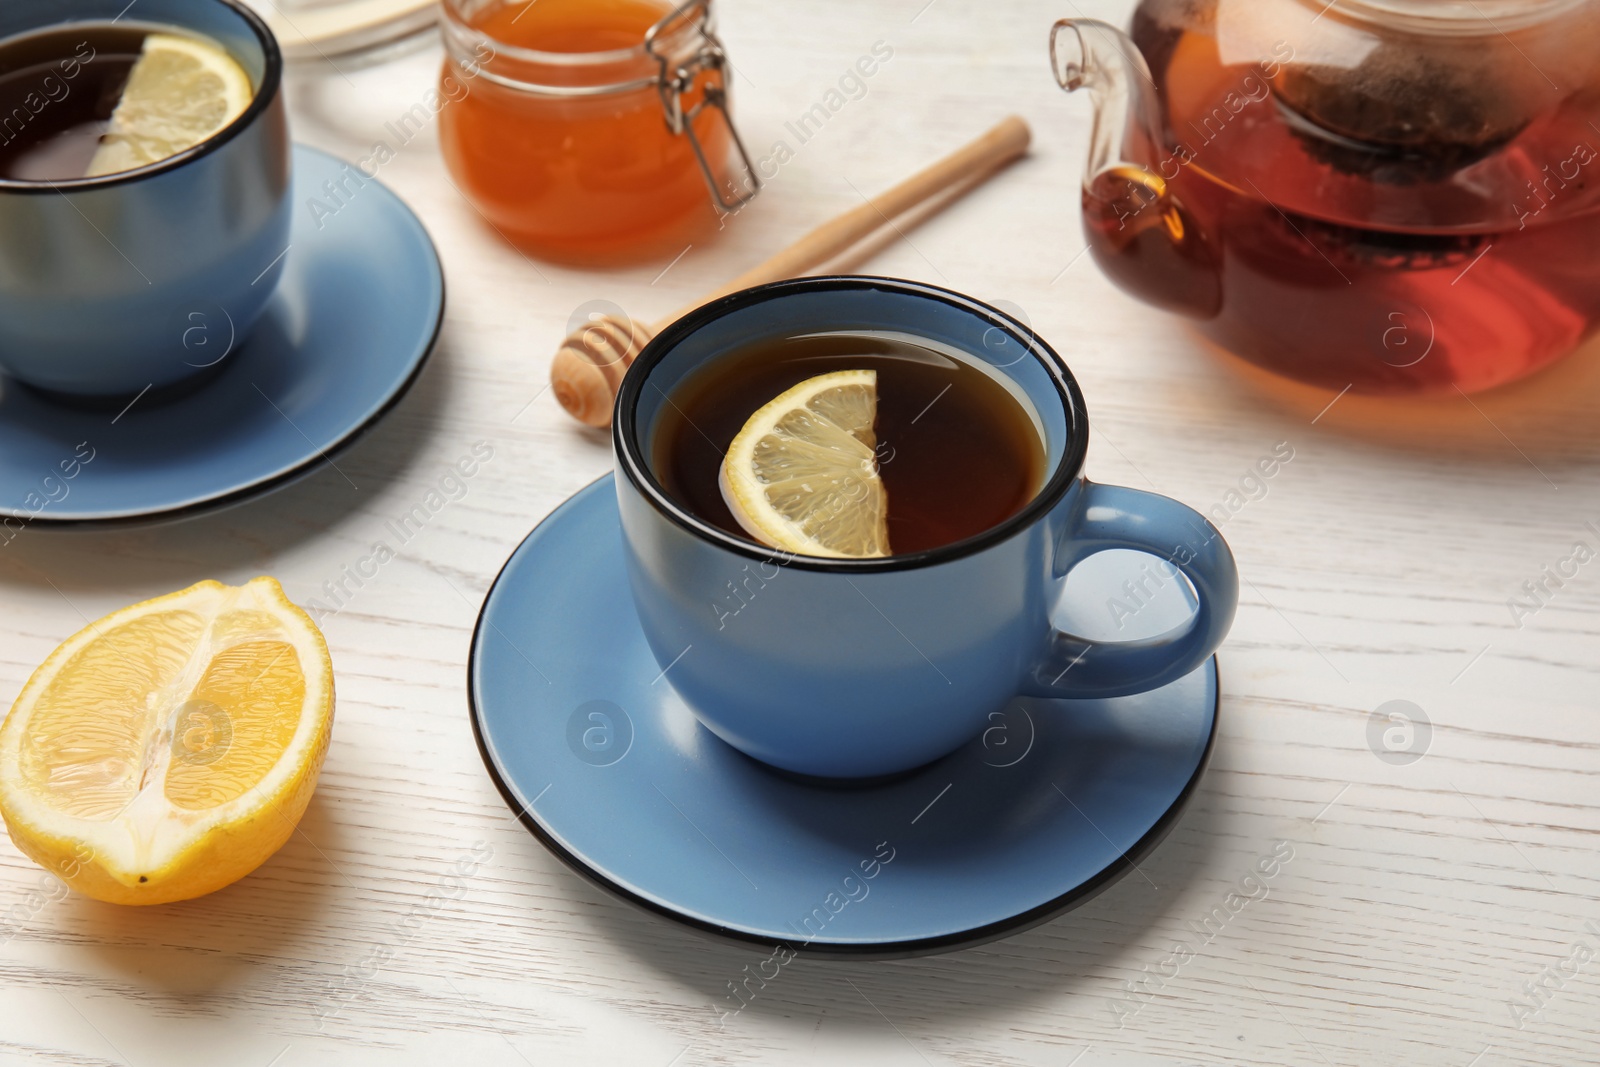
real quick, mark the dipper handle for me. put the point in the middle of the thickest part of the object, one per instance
(587, 372)
(1003, 143)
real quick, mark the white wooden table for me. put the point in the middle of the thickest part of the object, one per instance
(1423, 900)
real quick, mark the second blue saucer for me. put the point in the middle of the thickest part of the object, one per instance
(345, 335)
(604, 763)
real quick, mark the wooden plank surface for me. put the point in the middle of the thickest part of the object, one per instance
(1419, 900)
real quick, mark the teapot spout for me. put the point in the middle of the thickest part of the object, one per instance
(1094, 55)
(1138, 230)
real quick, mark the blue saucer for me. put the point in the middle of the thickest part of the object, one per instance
(346, 333)
(604, 763)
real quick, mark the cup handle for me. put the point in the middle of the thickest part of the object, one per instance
(1113, 516)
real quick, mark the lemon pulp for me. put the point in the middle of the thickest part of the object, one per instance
(171, 747)
(180, 92)
(802, 474)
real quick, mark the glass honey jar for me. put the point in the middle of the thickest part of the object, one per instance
(590, 131)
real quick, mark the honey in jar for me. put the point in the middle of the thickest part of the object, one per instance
(590, 130)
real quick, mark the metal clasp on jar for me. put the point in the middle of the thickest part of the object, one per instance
(677, 78)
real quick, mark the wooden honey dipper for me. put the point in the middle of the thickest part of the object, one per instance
(588, 370)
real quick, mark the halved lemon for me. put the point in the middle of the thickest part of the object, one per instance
(802, 475)
(167, 750)
(181, 91)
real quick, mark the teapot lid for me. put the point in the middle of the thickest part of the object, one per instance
(1456, 17)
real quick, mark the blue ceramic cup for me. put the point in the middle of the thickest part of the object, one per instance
(116, 284)
(865, 667)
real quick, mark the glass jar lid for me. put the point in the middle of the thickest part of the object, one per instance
(670, 59)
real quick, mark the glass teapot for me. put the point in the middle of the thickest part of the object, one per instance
(1393, 196)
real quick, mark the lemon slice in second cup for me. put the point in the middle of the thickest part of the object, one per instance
(802, 475)
(181, 91)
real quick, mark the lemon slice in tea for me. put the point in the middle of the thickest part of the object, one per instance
(168, 749)
(802, 475)
(181, 91)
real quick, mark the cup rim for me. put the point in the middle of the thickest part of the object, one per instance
(271, 76)
(630, 458)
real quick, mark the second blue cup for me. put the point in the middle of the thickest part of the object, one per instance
(865, 667)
